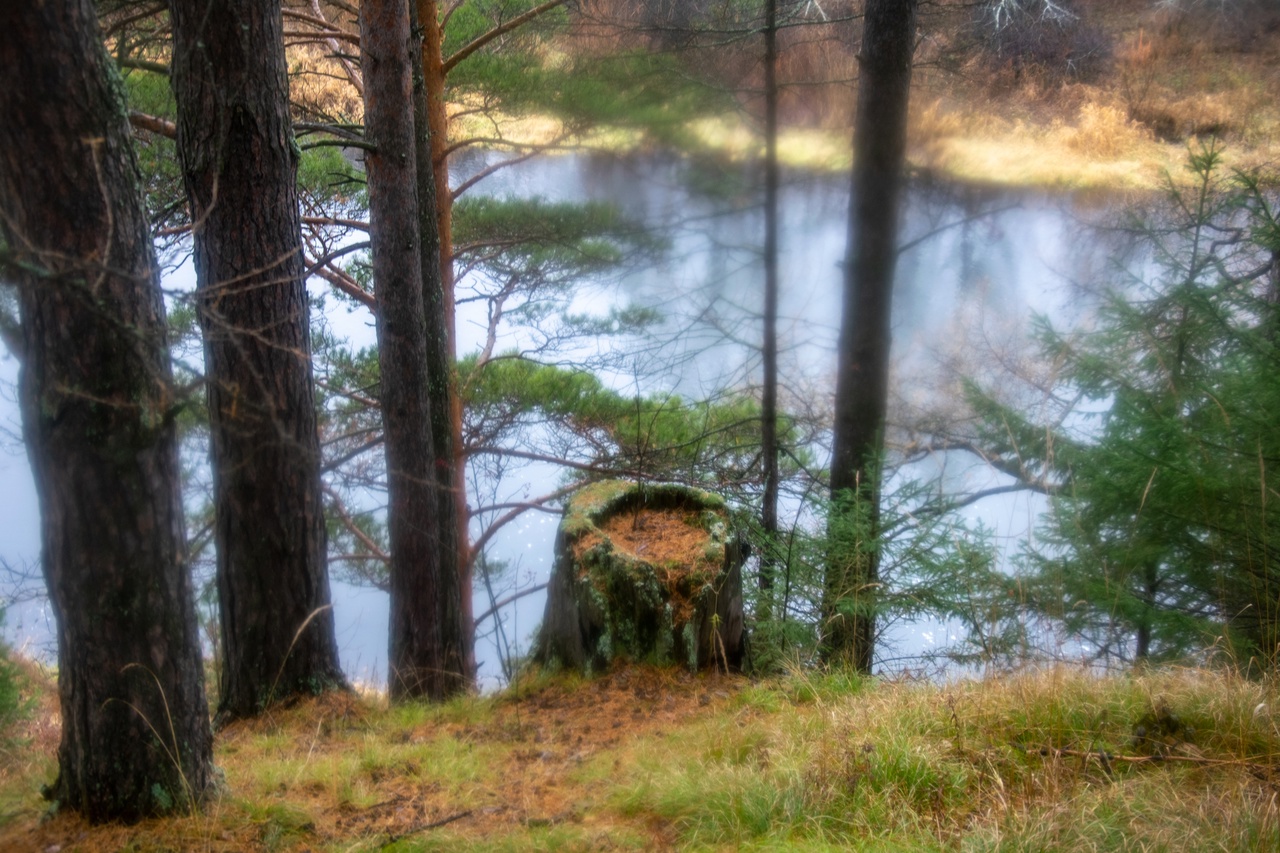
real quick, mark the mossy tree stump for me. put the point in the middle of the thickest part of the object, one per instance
(644, 572)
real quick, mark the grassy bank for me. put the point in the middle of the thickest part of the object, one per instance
(1111, 99)
(1160, 78)
(645, 759)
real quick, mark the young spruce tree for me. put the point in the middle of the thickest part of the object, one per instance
(1161, 539)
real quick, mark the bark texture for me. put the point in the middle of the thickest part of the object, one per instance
(239, 163)
(769, 345)
(425, 659)
(439, 301)
(862, 369)
(434, 212)
(98, 411)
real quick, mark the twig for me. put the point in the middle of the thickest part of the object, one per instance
(435, 824)
(1104, 756)
(510, 599)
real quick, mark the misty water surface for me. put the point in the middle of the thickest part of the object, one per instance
(976, 258)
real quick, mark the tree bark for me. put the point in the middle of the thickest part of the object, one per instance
(434, 80)
(437, 303)
(240, 163)
(769, 346)
(423, 663)
(862, 369)
(98, 419)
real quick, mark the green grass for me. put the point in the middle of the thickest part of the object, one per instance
(1038, 761)
(960, 767)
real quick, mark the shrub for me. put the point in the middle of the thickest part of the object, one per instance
(1052, 38)
(11, 702)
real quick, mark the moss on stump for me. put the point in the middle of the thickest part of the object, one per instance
(646, 573)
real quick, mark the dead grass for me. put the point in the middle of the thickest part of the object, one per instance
(1170, 83)
(1043, 761)
(319, 86)
(530, 767)
(643, 758)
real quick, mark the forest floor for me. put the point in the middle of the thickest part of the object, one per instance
(642, 758)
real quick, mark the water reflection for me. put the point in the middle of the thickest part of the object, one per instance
(977, 262)
(974, 257)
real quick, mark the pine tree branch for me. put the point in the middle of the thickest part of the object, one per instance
(483, 39)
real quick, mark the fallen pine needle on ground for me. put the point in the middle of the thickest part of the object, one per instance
(645, 758)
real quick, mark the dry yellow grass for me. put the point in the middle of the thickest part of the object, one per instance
(318, 84)
(1058, 759)
(1125, 131)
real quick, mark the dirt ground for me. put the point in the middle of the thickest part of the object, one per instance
(547, 753)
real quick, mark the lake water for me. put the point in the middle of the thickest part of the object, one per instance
(977, 258)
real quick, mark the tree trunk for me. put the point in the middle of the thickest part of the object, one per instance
(862, 370)
(422, 663)
(439, 305)
(98, 412)
(434, 80)
(455, 612)
(240, 163)
(769, 347)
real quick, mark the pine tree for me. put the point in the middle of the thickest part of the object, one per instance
(98, 409)
(1161, 539)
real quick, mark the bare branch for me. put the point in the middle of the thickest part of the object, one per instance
(347, 285)
(340, 509)
(510, 599)
(511, 515)
(330, 257)
(588, 467)
(153, 124)
(357, 224)
(348, 66)
(489, 170)
(143, 65)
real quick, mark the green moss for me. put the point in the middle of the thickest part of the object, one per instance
(583, 510)
(690, 645)
(595, 502)
(635, 614)
(161, 798)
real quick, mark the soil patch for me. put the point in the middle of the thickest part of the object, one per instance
(568, 736)
(534, 761)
